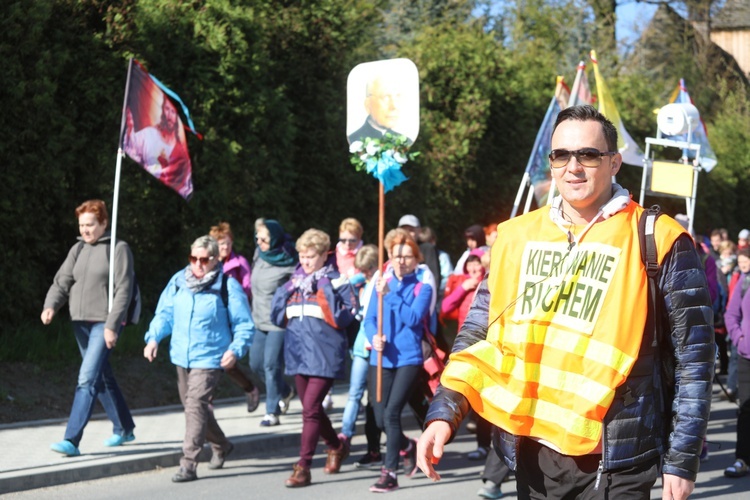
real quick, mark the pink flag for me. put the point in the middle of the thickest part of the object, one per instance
(154, 135)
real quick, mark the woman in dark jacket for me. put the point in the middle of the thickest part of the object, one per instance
(316, 306)
(273, 264)
(83, 281)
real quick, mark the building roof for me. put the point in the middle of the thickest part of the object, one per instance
(734, 15)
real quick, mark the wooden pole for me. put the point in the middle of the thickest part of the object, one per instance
(381, 237)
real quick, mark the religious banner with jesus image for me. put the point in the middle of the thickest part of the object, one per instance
(154, 135)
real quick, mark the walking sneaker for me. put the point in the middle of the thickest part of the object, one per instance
(269, 420)
(386, 483)
(479, 454)
(704, 452)
(119, 439)
(409, 456)
(66, 448)
(328, 403)
(369, 459)
(737, 469)
(217, 459)
(184, 475)
(284, 403)
(490, 490)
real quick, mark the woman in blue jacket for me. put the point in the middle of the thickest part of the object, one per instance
(316, 306)
(208, 316)
(406, 303)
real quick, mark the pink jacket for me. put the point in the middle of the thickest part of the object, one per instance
(238, 268)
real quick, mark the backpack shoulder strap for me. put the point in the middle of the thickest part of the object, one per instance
(79, 247)
(225, 291)
(647, 240)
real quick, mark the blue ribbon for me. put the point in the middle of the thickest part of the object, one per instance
(387, 170)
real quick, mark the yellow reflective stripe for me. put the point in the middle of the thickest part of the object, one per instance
(571, 342)
(538, 409)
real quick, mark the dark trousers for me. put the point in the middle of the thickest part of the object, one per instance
(396, 390)
(196, 388)
(543, 473)
(743, 416)
(315, 422)
(484, 432)
(495, 469)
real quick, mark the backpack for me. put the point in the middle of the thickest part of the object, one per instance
(434, 357)
(135, 305)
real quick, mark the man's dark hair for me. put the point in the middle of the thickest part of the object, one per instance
(585, 113)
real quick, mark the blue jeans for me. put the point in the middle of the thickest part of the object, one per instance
(96, 380)
(267, 361)
(357, 386)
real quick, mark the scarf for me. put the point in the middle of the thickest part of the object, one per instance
(196, 285)
(305, 283)
(282, 252)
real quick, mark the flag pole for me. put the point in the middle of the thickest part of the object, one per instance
(116, 195)
(381, 260)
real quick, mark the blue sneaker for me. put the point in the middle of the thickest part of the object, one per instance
(66, 448)
(117, 439)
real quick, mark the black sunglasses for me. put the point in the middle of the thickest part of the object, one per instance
(203, 260)
(348, 240)
(588, 157)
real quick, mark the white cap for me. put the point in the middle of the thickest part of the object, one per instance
(408, 220)
(744, 234)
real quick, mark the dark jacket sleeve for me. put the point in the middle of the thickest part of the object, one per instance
(278, 304)
(449, 405)
(688, 305)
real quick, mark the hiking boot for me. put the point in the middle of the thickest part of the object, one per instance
(217, 459)
(337, 457)
(300, 477)
(270, 420)
(253, 399)
(284, 403)
(409, 456)
(386, 483)
(369, 459)
(737, 469)
(184, 475)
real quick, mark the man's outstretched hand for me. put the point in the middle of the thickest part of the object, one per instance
(430, 447)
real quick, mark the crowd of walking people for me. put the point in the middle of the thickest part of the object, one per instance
(559, 334)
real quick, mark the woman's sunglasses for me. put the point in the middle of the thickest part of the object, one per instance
(203, 260)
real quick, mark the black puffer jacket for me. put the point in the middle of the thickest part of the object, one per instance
(637, 426)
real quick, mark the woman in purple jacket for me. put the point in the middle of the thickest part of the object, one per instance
(737, 320)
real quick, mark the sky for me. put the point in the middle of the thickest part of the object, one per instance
(632, 17)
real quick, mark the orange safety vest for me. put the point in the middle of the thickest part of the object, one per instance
(565, 327)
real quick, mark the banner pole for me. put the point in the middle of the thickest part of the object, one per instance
(116, 195)
(381, 260)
